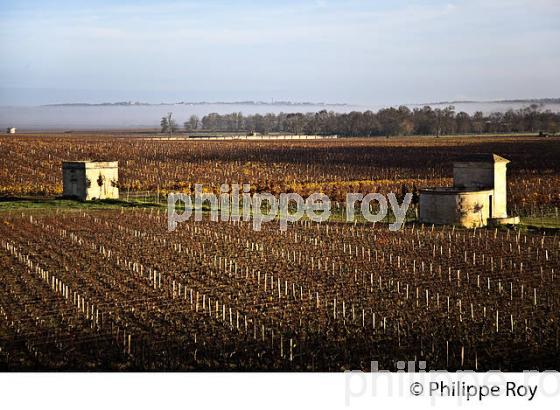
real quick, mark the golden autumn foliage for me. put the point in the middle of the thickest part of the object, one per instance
(31, 164)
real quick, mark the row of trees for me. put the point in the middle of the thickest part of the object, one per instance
(387, 121)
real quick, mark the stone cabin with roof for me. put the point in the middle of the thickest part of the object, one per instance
(88, 180)
(477, 198)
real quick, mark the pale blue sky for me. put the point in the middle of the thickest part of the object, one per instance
(354, 51)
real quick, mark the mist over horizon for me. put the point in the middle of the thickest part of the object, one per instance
(92, 117)
(21, 97)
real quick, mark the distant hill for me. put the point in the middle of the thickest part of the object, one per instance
(518, 101)
(130, 103)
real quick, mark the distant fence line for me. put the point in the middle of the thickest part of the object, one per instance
(240, 137)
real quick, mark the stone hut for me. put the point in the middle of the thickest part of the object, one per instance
(87, 180)
(478, 196)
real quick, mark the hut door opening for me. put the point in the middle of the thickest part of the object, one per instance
(490, 215)
(74, 188)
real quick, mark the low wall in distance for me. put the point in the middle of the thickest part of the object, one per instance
(242, 137)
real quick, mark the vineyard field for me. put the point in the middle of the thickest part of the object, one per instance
(111, 289)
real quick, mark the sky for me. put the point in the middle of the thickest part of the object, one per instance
(351, 51)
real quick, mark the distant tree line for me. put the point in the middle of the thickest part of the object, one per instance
(387, 121)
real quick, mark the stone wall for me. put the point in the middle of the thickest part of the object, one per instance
(452, 207)
(473, 175)
(91, 180)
